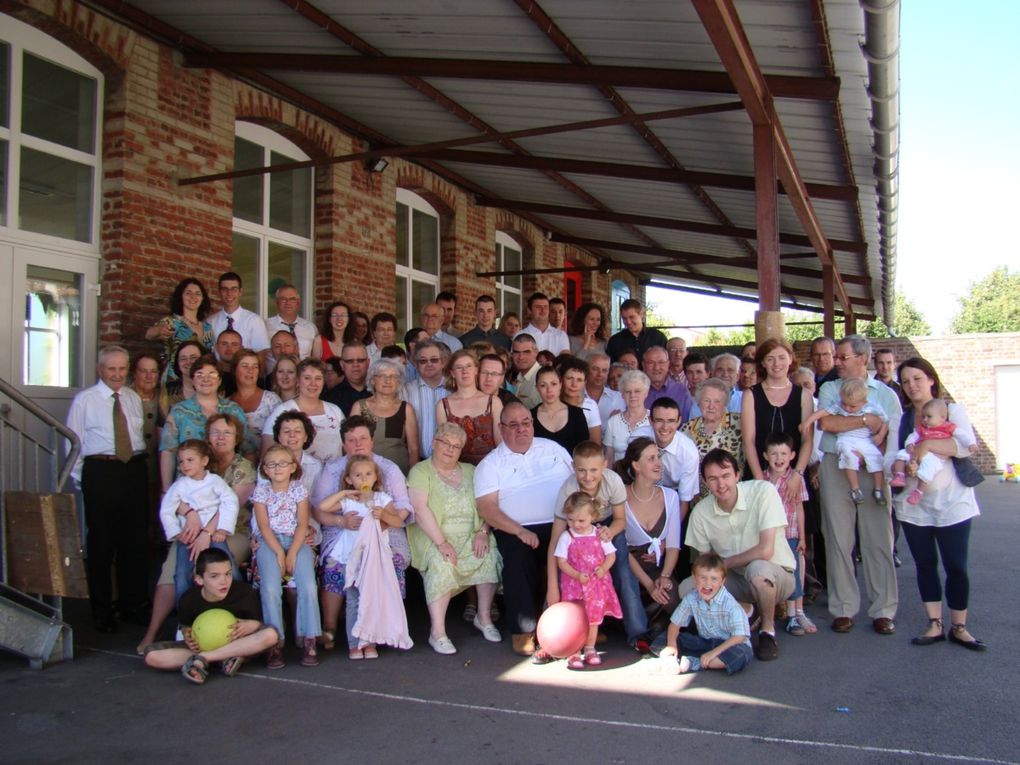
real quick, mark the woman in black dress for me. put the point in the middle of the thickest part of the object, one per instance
(560, 422)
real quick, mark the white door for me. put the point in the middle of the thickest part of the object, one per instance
(47, 338)
(1007, 392)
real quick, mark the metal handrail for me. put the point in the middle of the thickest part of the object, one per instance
(30, 406)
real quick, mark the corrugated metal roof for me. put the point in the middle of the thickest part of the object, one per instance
(788, 38)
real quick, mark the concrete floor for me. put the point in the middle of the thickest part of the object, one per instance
(828, 699)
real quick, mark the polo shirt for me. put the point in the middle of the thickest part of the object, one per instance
(611, 491)
(527, 484)
(758, 508)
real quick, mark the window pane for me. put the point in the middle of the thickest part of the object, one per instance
(56, 196)
(402, 317)
(512, 262)
(244, 261)
(425, 243)
(248, 191)
(286, 266)
(402, 217)
(3, 183)
(422, 294)
(5, 85)
(290, 198)
(512, 302)
(58, 105)
(52, 327)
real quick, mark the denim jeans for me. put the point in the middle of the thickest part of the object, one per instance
(309, 624)
(735, 657)
(628, 590)
(184, 572)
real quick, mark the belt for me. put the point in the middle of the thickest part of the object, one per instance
(111, 457)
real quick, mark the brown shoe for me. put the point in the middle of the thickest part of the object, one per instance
(884, 626)
(842, 624)
(524, 643)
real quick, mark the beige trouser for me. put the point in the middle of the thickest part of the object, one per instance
(839, 514)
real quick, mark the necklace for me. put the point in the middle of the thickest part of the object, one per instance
(639, 498)
(778, 387)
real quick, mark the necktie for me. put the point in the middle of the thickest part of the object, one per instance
(290, 326)
(230, 322)
(121, 437)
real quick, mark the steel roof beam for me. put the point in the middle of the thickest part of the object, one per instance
(695, 81)
(791, 304)
(696, 227)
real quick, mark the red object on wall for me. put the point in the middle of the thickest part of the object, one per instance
(571, 288)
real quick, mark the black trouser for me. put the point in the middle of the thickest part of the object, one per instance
(524, 577)
(116, 498)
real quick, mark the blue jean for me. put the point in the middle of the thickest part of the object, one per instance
(628, 590)
(309, 624)
(735, 657)
(798, 589)
(952, 542)
(184, 573)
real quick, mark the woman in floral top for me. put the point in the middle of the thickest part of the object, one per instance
(716, 428)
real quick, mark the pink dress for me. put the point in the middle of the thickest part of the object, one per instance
(585, 554)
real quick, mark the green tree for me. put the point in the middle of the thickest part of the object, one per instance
(991, 305)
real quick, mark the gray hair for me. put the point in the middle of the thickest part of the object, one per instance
(712, 382)
(380, 366)
(451, 429)
(655, 349)
(599, 355)
(860, 344)
(634, 375)
(715, 360)
(804, 371)
(111, 350)
(425, 344)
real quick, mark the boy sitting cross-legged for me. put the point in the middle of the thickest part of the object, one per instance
(214, 588)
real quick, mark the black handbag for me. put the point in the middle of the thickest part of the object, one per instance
(966, 471)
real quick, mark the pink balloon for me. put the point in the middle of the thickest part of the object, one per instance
(563, 628)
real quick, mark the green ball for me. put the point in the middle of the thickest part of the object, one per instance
(211, 629)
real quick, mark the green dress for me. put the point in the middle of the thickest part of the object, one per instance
(457, 516)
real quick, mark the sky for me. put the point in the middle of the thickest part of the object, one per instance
(959, 159)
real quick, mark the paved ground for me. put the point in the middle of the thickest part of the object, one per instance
(828, 699)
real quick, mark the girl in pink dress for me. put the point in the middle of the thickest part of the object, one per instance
(584, 561)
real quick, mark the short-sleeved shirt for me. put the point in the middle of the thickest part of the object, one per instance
(187, 420)
(878, 393)
(563, 543)
(611, 491)
(241, 601)
(718, 619)
(758, 507)
(527, 483)
(281, 506)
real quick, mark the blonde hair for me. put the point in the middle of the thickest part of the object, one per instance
(936, 406)
(579, 500)
(854, 391)
(358, 459)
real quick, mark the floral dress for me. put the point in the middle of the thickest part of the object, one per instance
(585, 553)
(182, 333)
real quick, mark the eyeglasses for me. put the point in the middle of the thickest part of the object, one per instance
(522, 425)
(386, 378)
(430, 360)
(275, 465)
(491, 373)
(844, 356)
(206, 375)
(447, 444)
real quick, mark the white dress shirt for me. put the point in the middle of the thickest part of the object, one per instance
(304, 331)
(680, 464)
(91, 417)
(553, 340)
(246, 323)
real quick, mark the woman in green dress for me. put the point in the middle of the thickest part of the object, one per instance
(450, 545)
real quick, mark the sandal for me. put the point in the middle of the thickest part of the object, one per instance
(470, 612)
(328, 640)
(310, 658)
(930, 639)
(370, 651)
(230, 667)
(575, 662)
(355, 654)
(591, 656)
(275, 658)
(973, 644)
(541, 657)
(806, 623)
(195, 669)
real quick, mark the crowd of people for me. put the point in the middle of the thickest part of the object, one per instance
(297, 472)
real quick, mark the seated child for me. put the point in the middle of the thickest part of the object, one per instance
(281, 515)
(724, 635)
(933, 470)
(779, 456)
(585, 560)
(197, 490)
(361, 499)
(853, 444)
(214, 588)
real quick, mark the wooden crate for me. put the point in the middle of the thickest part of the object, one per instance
(44, 549)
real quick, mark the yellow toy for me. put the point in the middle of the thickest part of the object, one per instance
(1011, 473)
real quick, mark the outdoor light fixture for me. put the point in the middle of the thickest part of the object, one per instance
(376, 165)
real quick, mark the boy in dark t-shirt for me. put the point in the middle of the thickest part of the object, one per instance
(214, 588)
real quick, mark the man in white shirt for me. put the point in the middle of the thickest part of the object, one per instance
(112, 474)
(426, 391)
(232, 316)
(547, 337)
(288, 305)
(516, 487)
(610, 401)
(432, 321)
(677, 452)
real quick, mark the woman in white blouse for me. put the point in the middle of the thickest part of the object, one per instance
(633, 421)
(326, 417)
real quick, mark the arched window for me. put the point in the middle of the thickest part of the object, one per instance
(272, 242)
(417, 257)
(509, 257)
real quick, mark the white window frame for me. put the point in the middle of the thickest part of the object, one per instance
(271, 141)
(410, 274)
(503, 289)
(22, 39)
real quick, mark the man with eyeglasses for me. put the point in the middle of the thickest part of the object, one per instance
(432, 318)
(516, 487)
(655, 364)
(676, 347)
(841, 515)
(354, 362)
(524, 357)
(247, 324)
(426, 391)
(823, 361)
(288, 306)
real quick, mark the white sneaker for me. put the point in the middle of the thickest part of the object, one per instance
(489, 631)
(685, 665)
(442, 645)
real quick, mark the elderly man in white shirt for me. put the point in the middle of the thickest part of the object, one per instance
(232, 316)
(112, 474)
(288, 305)
(516, 487)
